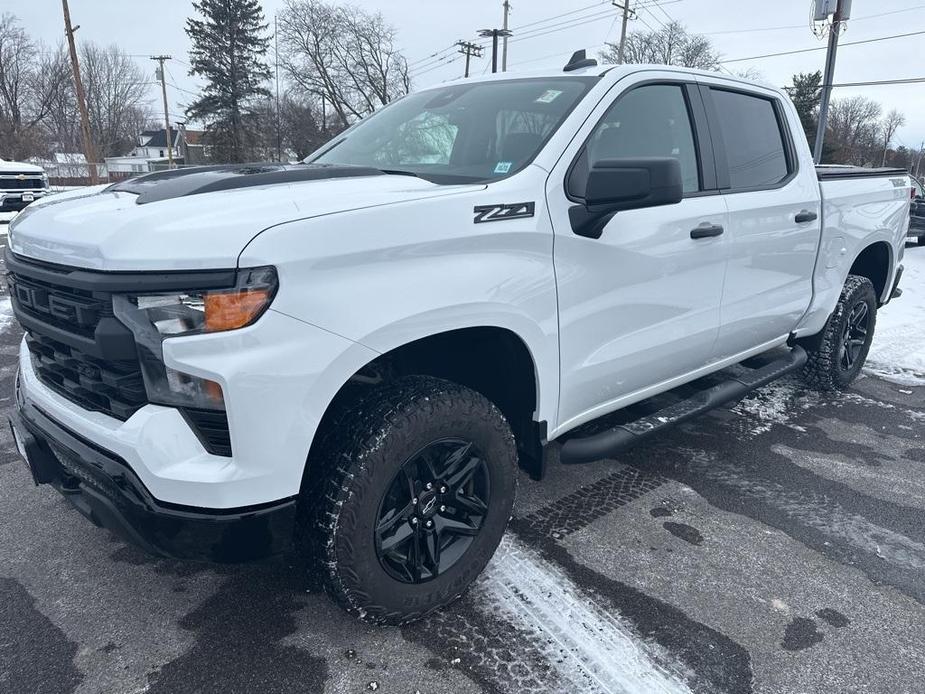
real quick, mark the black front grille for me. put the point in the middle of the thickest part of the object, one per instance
(78, 348)
(72, 310)
(212, 428)
(83, 352)
(16, 183)
(115, 388)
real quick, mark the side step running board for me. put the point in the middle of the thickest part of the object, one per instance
(607, 443)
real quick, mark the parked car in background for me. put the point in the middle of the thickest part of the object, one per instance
(917, 213)
(20, 185)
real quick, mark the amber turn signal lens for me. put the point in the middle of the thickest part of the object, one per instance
(230, 310)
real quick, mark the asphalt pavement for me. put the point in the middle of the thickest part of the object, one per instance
(774, 546)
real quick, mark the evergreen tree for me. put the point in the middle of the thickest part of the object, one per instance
(806, 92)
(229, 45)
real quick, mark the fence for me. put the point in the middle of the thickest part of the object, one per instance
(78, 176)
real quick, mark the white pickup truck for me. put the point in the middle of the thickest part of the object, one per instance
(352, 356)
(20, 185)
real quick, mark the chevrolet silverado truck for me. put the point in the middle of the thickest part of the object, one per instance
(20, 185)
(351, 357)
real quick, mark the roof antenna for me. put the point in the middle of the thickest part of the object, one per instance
(579, 60)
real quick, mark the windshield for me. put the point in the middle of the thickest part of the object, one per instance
(462, 133)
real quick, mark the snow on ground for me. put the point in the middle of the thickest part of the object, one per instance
(589, 647)
(6, 314)
(898, 350)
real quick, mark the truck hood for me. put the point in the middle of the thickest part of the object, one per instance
(18, 167)
(202, 223)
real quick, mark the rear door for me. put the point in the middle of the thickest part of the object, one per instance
(640, 305)
(774, 216)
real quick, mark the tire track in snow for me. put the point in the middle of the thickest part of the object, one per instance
(537, 621)
(815, 512)
(593, 649)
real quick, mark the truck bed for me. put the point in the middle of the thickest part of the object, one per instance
(828, 172)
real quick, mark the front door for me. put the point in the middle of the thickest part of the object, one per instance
(639, 306)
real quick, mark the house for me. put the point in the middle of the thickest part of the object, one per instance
(150, 152)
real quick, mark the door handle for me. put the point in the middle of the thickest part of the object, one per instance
(805, 216)
(705, 231)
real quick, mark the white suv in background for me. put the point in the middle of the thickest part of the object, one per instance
(20, 185)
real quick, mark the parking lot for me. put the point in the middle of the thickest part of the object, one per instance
(774, 546)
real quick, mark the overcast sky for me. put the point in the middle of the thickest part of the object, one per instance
(738, 30)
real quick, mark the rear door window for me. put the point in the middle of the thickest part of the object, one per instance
(756, 153)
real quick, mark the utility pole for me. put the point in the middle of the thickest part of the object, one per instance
(161, 76)
(494, 34)
(842, 10)
(627, 13)
(86, 134)
(469, 49)
(279, 136)
(507, 12)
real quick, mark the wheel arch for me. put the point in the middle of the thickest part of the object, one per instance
(874, 262)
(494, 360)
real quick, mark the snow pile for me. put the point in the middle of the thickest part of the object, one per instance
(6, 314)
(898, 351)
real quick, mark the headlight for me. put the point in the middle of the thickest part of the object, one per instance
(189, 313)
(155, 317)
(44, 180)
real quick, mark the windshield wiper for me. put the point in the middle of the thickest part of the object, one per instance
(401, 172)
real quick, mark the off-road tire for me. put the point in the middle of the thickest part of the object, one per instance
(357, 459)
(823, 369)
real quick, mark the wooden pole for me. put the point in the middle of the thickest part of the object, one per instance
(86, 135)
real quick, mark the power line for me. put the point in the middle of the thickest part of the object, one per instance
(549, 30)
(822, 48)
(431, 56)
(803, 26)
(437, 61)
(662, 10)
(556, 16)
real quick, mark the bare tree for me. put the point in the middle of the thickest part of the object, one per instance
(343, 55)
(670, 45)
(894, 121)
(29, 80)
(854, 130)
(117, 97)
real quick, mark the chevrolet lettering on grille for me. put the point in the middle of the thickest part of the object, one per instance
(39, 300)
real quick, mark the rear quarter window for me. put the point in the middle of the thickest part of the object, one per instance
(756, 152)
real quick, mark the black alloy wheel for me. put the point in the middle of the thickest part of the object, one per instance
(854, 335)
(837, 353)
(432, 511)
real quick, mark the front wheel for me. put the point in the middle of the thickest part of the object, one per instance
(839, 352)
(421, 477)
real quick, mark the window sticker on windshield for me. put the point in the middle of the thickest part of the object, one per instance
(548, 96)
(502, 167)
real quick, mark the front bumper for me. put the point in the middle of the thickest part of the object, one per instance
(13, 201)
(103, 488)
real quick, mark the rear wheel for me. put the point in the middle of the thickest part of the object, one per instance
(839, 352)
(420, 483)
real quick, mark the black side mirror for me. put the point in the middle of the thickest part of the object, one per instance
(613, 185)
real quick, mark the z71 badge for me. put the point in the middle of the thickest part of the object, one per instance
(498, 213)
